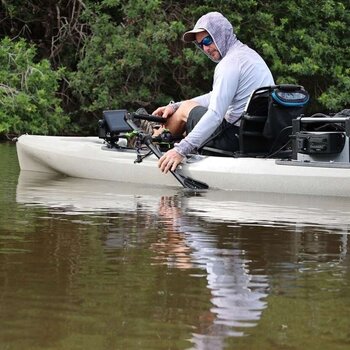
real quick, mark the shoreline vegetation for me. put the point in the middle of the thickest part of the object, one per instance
(63, 62)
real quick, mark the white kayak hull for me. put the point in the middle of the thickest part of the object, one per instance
(90, 158)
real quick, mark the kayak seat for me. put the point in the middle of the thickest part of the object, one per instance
(251, 139)
(266, 123)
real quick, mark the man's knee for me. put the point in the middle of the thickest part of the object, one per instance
(185, 109)
(194, 116)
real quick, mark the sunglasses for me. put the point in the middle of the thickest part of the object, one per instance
(208, 40)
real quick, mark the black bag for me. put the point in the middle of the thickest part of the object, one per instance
(286, 102)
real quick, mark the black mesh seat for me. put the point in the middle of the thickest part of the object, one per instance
(266, 123)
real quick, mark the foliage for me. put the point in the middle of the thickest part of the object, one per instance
(133, 66)
(135, 55)
(308, 44)
(27, 91)
(126, 54)
(54, 26)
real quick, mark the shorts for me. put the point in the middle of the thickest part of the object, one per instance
(225, 137)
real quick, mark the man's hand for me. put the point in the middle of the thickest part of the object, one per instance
(164, 112)
(169, 161)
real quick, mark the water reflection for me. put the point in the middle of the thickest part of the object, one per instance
(237, 296)
(78, 196)
(238, 286)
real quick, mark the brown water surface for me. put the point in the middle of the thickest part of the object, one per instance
(99, 265)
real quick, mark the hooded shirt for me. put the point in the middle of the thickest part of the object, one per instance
(238, 73)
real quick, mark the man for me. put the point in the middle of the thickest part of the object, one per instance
(239, 71)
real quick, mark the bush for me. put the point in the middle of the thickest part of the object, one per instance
(28, 101)
(309, 45)
(127, 54)
(126, 63)
(135, 55)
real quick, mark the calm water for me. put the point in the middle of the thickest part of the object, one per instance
(98, 265)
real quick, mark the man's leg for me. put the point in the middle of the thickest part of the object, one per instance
(176, 123)
(224, 137)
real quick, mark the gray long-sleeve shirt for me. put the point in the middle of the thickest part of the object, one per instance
(239, 72)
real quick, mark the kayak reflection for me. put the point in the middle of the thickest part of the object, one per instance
(82, 195)
(238, 297)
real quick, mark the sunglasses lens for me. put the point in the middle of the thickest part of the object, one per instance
(206, 41)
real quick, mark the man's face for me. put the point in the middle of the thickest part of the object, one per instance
(211, 49)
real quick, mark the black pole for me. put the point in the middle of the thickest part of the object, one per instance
(186, 182)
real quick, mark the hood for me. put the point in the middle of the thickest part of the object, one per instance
(218, 27)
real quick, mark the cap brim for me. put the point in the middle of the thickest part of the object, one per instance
(190, 36)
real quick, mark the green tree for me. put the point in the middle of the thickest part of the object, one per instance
(126, 54)
(135, 55)
(28, 103)
(309, 45)
(127, 60)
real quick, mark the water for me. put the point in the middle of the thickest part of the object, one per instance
(99, 265)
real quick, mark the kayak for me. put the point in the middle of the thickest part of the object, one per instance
(280, 151)
(92, 158)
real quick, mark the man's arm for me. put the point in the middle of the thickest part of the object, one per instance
(225, 85)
